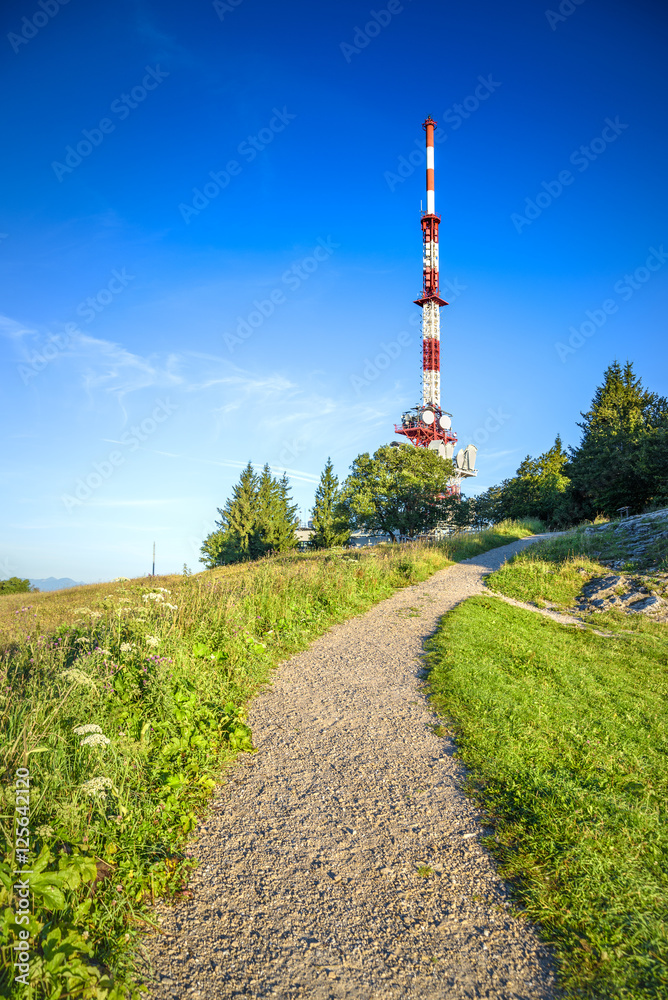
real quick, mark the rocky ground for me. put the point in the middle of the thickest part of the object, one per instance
(638, 547)
(343, 861)
(640, 541)
(636, 594)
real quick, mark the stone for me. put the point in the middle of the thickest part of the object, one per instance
(644, 605)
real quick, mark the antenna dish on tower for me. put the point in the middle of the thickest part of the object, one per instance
(428, 417)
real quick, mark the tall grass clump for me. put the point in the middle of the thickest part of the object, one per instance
(126, 701)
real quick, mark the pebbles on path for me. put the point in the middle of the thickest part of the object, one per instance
(342, 860)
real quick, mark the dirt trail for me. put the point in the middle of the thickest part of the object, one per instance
(308, 884)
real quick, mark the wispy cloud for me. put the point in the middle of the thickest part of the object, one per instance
(305, 477)
(114, 369)
(302, 477)
(14, 330)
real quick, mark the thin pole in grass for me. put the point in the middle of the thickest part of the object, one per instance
(153, 558)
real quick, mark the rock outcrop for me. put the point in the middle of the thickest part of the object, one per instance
(638, 546)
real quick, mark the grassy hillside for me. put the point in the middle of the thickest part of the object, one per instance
(126, 701)
(565, 733)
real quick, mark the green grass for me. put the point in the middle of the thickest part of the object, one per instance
(164, 669)
(616, 542)
(565, 734)
(553, 572)
(546, 573)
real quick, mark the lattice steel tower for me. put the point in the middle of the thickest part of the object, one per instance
(429, 426)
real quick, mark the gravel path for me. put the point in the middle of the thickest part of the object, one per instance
(308, 884)
(557, 616)
(561, 617)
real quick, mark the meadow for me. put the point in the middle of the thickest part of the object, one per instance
(126, 702)
(564, 733)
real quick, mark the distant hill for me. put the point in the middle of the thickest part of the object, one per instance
(53, 584)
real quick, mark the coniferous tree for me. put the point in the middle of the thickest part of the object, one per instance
(277, 515)
(331, 528)
(621, 461)
(257, 518)
(615, 464)
(653, 464)
(287, 518)
(265, 503)
(538, 488)
(238, 518)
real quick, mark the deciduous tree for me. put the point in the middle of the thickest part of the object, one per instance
(398, 491)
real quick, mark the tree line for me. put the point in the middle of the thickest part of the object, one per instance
(402, 491)
(621, 461)
(398, 491)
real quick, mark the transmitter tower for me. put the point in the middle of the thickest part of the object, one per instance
(428, 425)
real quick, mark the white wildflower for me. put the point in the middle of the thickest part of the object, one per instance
(96, 614)
(95, 740)
(172, 607)
(126, 647)
(90, 727)
(83, 639)
(163, 590)
(153, 597)
(152, 640)
(120, 579)
(45, 831)
(76, 676)
(97, 786)
(103, 652)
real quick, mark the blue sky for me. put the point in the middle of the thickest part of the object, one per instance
(210, 244)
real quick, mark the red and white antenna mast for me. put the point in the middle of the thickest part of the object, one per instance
(430, 299)
(428, 426)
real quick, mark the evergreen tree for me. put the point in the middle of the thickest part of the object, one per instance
(277, 515)
(265, 502)
(616, 464)
(286, 520)
(539, 486)
(622, 461)
(257, 518)
(330, 527)
(653, 464)
(238, 518)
